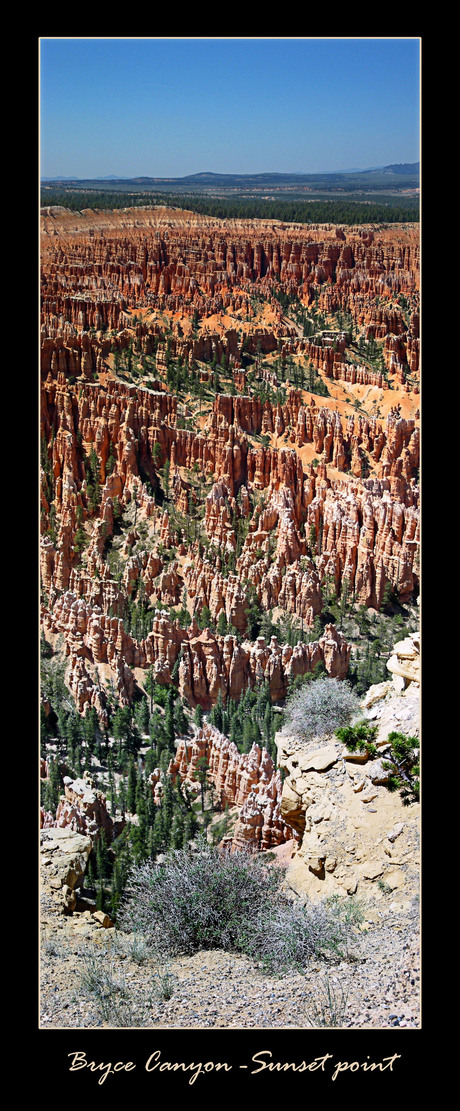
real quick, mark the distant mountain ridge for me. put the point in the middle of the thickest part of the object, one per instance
(209, 177)
(399, 168)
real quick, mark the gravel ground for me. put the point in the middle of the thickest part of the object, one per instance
(89, 980)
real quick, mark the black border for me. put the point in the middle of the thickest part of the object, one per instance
(52, 1050)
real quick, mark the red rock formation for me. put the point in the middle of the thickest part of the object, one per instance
(247, 780)
(195, 261)
(276, 526)
(83, 808)
(208, 664)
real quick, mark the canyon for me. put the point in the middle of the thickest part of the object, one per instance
(230, 458)
(324, 813)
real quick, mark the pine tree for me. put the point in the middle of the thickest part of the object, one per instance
(189, 828)
(113, 798)
(167, 804)
(180, 719)
(169, 725)
(102, 857)
(72, 729)
(247, 734)
(222, 624)
(204, 619)
(201, 774)
(216, 712)
(90, 876)
(157, 841)
(268, 722)
(142, 716)
(131, 787)
(100, 896)
(176, 838)
(53, 787)
(122, 796)
(235, 733)
(150, 806)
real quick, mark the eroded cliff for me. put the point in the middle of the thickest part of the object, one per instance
(354, 835)
(230, 452)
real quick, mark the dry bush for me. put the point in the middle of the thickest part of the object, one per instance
(231, 901)
(319, 708)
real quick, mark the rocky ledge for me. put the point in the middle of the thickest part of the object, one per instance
(355, 835)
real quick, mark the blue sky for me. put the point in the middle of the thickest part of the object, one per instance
(170, 106)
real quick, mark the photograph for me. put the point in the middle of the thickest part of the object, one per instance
(229, 550)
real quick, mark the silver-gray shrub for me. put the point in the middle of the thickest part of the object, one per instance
(195, 900)
(318, 708)
(211, 899)
(290, 934)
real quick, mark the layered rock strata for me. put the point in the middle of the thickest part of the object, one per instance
(246, 780)
(276, 527)
(64, 856)
(208, 664)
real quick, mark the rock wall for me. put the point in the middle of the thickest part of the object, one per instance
(276, 527)
(367, 531)
(82, 809)
(183, 258)
(208, 664)
(249, 781)
(355, 836)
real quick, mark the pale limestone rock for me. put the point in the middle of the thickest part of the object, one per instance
(395, 878)
(369, 795)
(372, 870)
(292, 808)
(399, 681)
(343, 811)
(68, 897)
(375, 694)
(317, 866)
(102, 918)
(352, 886)
(377, 773)
(356, 757)
(321, 759)
(404, 663)
(323, 812)
(66, 841)
(66, 854)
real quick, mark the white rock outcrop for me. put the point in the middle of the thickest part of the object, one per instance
(404, 663)
(353, 835)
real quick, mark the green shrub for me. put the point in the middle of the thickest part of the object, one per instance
(330, 1005)
(359, 736)
(402, 761)
(403, 766)
(97, 980)
(113, 1001)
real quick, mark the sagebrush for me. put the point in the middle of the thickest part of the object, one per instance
(213, 899)
(319, 708)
